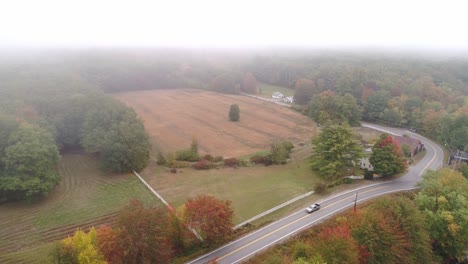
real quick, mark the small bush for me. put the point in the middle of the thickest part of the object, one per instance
(368, 175)
(231, 162)
(320, 187)
(179, 164)
(218, 159)
(173, 170)
(186, 155)
(244, 163)
(347, 180)
(202, 165)
(161, 159)
(259, 159)
(208, 157)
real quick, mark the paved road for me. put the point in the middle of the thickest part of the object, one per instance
(247, 246)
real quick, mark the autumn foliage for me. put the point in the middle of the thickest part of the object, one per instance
(387, 157)
(210, 217)
(388, 230)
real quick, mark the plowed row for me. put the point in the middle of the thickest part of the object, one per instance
(173, 117)
(84, 198)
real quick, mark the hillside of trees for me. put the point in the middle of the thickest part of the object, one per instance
(429, 226)
(46, 111)
(51, 101)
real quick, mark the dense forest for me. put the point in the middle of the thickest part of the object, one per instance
(54, 101)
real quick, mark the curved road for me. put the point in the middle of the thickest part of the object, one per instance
(250, 244)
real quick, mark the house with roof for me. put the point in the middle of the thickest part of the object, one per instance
(415, 145)
(288, 99)
(364, 162)
(277, 95)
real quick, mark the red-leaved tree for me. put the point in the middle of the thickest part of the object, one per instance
(210, 217)
(141, 235)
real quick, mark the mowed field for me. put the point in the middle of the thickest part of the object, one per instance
(85, 197)
(174, 117)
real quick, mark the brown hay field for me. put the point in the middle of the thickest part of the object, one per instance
(173, 117)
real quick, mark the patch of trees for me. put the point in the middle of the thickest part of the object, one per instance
(334, 151)
(429, 226)
(387, 157)
(444, 201)
(390, 229)
(419, 93)
(50, 118)
(150, 234)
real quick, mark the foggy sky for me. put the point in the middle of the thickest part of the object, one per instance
(242, 23)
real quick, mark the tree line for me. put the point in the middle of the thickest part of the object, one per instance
(42, 116)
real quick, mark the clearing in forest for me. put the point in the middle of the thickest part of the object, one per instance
(173, 117)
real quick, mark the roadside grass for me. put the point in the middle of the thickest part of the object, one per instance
(266, 90)
(252, 190)
(85, 197)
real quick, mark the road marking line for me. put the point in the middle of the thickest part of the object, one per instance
(283, 219)
(305, 226)
(429, 163)
(293, 222)
(262, 237)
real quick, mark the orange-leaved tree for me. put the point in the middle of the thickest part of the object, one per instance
(210, 217)
(141, 235)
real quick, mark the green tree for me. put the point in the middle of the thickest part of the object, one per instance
(234, 112)
(329, 107)
(387, 158)
(444, 200)
(29, 163)
(280, 151)
(375, 105)
(115, 131)
(334, 149)
(127, 147)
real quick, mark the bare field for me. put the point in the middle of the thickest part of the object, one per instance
(173, 117)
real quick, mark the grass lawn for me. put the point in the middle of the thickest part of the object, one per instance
(266, 90)
(252, 190)
(85, 197)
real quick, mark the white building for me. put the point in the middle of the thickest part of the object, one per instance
(277, 95)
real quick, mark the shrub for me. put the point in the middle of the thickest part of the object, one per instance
(161, 159)
(231, 162)
(320, 187)
(259, 159)
(347, 180)
(202, 165)
(179, 164)
(218, 159)
(234, 113)
(368, 175)
(280, 151)
(208, 157)
(186, 155)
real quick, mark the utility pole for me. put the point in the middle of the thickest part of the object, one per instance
(355, 201)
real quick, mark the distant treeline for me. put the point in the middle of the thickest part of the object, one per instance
(61, 95)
